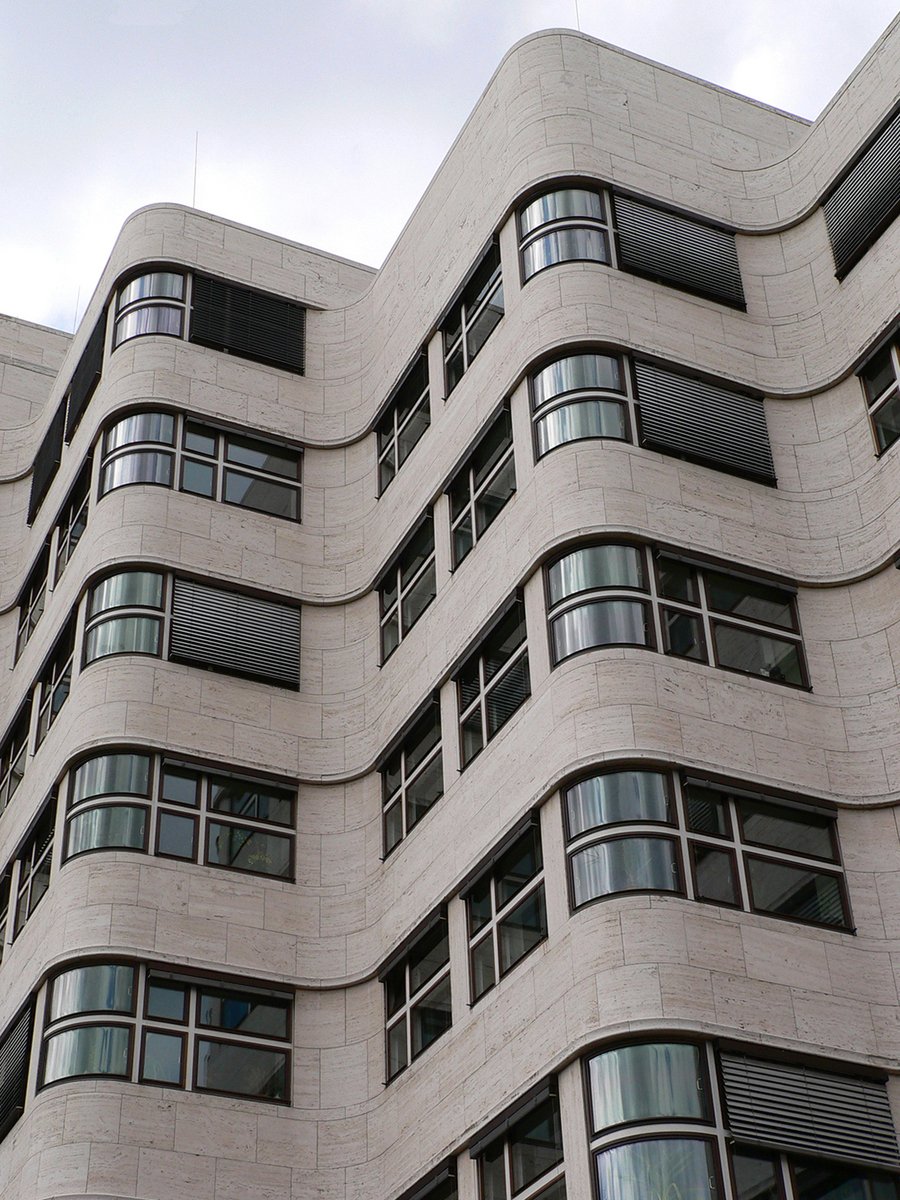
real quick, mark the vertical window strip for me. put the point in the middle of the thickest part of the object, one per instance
(404, 422)
(412, 778)
(881, 384)
(407, 587)
(493, 683)
(481, 488)
(473, 318)
(417, 997)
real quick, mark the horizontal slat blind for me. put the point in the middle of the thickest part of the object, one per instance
(86, 377)
(266, 328)
(678, 250)
(46, 462)
(234, 633)
(809, 1111)
(703, 421)
(15, 1046)
(865, 200)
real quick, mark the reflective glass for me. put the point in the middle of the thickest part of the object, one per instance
(175, 836)
(397, 1056)
(483, 968)
(130, 589)
(250, 798)
(577, 372)
(647, 1082)
(143, 466)
(664, 1167)
(247, 849)
(163, 1054)
(565, 245)
(683, 634)
(755, 1176)
(558, 205)
(609, 566)
(522, 929)
(836, 1181)
(241, 1070)
(484, 324)
(430, 953)
(887, 422)
(746, 598)
(714, 877)
(141, 427)
(507, 695)
(797, 892)
(113, 827)
(423, 791)
(600, 623)
(180, 785)
(198, 478)
(627, 864)
(262, 456)
(104, 987)
(155, 318)
(160, 285)
(757, 654)
(585, 419)
(122, 635)
(262, 495)
(243, 1012)
(616, 797)
(112, 774)
(88, 1050)
(787, 828)
(535, 1145)
(166, 1001)
(430, 1017)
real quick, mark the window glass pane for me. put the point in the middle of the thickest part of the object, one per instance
(112, 774)
(493, 1172)
(104, 987)
(175, 836)
(647, 1082)
(166, 1001)
(500, 645)
(198, 478)
(707, 811)
(164, 285)
(565, 245)
(787, 828)
(714, 875)
(483, 970)
(887, 422)
(631, 864)
(796, 892)
(397, 1058)
(677, 580)
(430, 1017)
(418, 598)
(577, 372)
(535, 1145)
(180, 786)
(141, 427)
(200, 440)
(248, 849)
(834, 1181)
(755, 601)
(665, 1167)
(755, 1176)
(163, 1054)
(249, 452)
(250, 798)
(114, 827)
(122, 635)
(495, 494)
(522, 929)
(517, 866)
(243, 1012)
(472, 737)
(143, 466)
(600, 623)
(410, 433)
(756, 654)
(507, 695)
(242, 1070)
(878, 374)
(130, 589)
(393, 826)
(608, 566)
(156, 318)
(683, 635)
(424, 790)
(555, 206)
(89, 1050)
(262, 495)
(616, 797)
(586, 419)
(484, 324)
(428, 955)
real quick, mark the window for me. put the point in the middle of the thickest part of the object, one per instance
(407, 587)
(652, 831)
(624, 595)
(507, 914)
(46, 462)
(32, 599)
(881, 381)
(492, 683)
(171, 450)
(482, 487)
(472, 318)
(412, 778)
(150, 1026)
(148, 803)
(439, 1184)
(526, 1159)
(34, 861)
(404, 421)
(567, 225)
(15, 1051)
(150, 304)
(5, 908)
(73, 519)
(14, 754)
(580, 396)
(417, 996)
(866, 197)
(85, 377)
(659, 1127)
(118, 619)
(55, 680)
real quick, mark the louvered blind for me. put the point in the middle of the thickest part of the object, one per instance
(265, 328)
(15, 1046)
(700, 420)
(234, 633)
(678, 250)
(809, 1111)
(86, 377)
(46, 462)
(865, 200)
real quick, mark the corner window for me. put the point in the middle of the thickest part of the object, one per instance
(165, 1030)
(417, 997)
(404, 422)
(32, 599)
(407, 587)
(472, 318)
(481, 488)
(142, 802)
(580, 396)
(170, 450)
(150, 304)
(55, 680)
(655, 831)
(124, 615)
(526, 1159)
(492, 683)
(881, 382)
(412, 778)
(567, 225)
(507, 914)
(617, 594)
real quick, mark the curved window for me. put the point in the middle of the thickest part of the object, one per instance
(580, 396)
(144, 306)
(665, 1167)
(646, 1082)
(132, 630)
(103, 987)
(87, 1050)
(145, 803)
(636, 830)
(690, 611)
(566, 225)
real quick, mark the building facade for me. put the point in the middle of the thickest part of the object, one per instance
(452, 740)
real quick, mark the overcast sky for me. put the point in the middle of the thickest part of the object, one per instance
(319, 120)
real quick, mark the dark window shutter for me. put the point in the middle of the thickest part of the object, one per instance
(237, 634)
(46, 462)
(809, 1111)
(86, 377)
(712, 424)
(15, 1046)
(679, 250)
(865, 200)
(268, 329)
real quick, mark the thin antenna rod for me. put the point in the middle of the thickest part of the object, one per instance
(196, 153)
(577, 17)
(77, 303)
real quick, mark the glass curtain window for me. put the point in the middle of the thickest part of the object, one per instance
(580, 396)
(136, 599)
(150, 304)
(565, 225)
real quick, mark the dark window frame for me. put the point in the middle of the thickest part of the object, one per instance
(397, 582)
(408, 409)
(477, 661)
(397, 974)
(481, 294)
(466, 491)
(396, 763)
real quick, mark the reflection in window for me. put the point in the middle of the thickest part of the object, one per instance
(881, 382)
(472, 318)
(492, 683)
(403, 423)
(580, 396)
(417, 997)
(482, 487)
(35, 859)
(135, 600)
(567, 225)
(412, 778)
(152, 303)
(530, 1150)
(55, 680)
(407, 587)
(32, 600)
